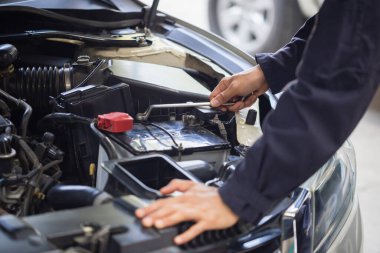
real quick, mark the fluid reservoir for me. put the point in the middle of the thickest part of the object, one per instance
(248, 125)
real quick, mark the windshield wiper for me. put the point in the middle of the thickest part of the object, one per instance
(151, 13)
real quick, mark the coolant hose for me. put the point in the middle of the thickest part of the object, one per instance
(69, 118)
(74, 196)
(35, 174)
(105, 142)
(66, 118)
(25, 106)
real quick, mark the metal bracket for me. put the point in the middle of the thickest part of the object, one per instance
(145, 115)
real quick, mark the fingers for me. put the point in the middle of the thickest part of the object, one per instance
(155, 217)
(240, 84)
(200, 204)
(190, 234)
(159, 209)
(169, 216)
(236, 106)
(142, 212)
(156, 211)
(223, 84)
(223, 97)
(223, 92)
(178, 216)
(248, 101)
(177, 185)
(174, 185)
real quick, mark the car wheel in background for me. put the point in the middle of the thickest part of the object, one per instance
(255, 25)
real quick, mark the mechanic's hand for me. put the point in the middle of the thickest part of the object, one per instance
(249, 84)
(198, 203)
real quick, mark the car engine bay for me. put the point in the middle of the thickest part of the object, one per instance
(77, 158)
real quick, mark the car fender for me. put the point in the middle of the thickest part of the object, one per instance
(309, 7)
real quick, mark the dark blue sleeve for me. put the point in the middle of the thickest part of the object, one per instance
(280, 68)
(335, 82)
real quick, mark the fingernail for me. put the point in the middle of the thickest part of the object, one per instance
(215, 103)
(159, 224)
(178, 240)
(148, 222)
(139, 213)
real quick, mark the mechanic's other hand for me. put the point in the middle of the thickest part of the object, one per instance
(249, 84)
(198, 203)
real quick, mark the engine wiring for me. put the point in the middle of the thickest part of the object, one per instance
(221, 125)
(178, 147)
(25, 106)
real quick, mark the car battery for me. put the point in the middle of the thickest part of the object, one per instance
(176, 139)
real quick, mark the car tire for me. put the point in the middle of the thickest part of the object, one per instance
(279, 20)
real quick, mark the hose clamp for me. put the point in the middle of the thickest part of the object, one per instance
(67, 79)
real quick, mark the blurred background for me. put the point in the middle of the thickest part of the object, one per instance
(266, 25)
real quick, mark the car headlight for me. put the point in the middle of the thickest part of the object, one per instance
(321, 205)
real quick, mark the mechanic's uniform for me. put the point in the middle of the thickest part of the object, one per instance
(330, 71)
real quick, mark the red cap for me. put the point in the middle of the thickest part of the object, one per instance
(115, 122)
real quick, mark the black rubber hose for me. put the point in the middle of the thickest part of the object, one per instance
(26, 117)
(74, 196)
(50, 164)
(69, 118)
(35, 174)
(28, 152)
(37, 84)
(25, 106)
(105, 142)
(4, 108)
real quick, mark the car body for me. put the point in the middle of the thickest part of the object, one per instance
(309, 7)
(259, 26)
(73, 172)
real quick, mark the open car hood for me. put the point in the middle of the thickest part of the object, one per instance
(109, 14)
(125, 6)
